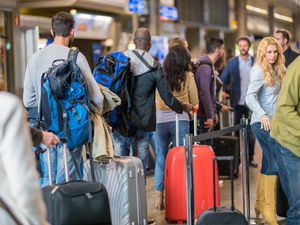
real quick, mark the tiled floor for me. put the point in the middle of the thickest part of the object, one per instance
(159, 216)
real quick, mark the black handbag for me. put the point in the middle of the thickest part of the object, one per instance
(76, 202)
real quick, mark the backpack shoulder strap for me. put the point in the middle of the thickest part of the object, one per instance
(73, 54)
(199, 63)
(142, 59)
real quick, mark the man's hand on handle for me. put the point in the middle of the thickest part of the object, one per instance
(49, 139)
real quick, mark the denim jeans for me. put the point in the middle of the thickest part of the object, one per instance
(58, 168)
(165, 134)
(203, 129)
(289, 173)
(139, 143)
(268, 164)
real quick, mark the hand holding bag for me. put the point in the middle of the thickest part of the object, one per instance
(111, 100)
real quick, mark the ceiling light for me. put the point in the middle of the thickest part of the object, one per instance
(256, 9)
(284, 18)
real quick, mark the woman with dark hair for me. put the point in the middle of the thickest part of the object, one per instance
(181, 81)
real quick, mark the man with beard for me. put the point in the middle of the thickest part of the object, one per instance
(63, 33)
(205, 81)
(283, 37)
(236, 76)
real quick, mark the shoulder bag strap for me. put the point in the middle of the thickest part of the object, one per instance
(143, 60)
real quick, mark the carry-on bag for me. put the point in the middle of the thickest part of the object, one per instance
(75, 202)
(222, 215)
(227, 146)
(219, 215)
(174, 183)
(124, 179)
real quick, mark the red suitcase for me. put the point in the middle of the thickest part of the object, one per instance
(175, 181)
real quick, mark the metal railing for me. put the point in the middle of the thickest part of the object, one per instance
(190, 139)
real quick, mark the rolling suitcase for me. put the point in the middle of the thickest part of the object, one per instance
(124, 179)
(174, 183)
(76, 202)
(222, 215)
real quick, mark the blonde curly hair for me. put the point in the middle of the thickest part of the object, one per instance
(275, 71)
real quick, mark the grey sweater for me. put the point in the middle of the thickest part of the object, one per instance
(41, 61)
(261, 98)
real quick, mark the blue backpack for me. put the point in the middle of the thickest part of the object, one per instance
(65, 104)
(113, 71)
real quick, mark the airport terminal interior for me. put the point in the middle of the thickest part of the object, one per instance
(236, 37)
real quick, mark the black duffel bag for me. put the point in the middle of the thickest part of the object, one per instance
(76, 202)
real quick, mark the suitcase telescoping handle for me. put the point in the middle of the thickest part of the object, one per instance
(65, 151)
(49, 160)
(223, 158)
(195, 110)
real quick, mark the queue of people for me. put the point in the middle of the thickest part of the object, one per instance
(262, 85)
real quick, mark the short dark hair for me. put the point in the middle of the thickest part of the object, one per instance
(243, 38)
(62, 24)
(284, 33)
(213, 43)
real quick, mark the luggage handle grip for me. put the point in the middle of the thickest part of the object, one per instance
(105, 159)
(195, 111)
(223, 158)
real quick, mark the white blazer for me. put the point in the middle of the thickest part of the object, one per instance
(19, 186)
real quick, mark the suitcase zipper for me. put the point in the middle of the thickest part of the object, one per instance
(89, 195)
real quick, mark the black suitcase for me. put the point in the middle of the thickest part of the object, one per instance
(227, 146)
(76, 202)
(222, 215)
(281, 201)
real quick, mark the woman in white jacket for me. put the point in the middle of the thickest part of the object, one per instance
(19, 188)
(261, 98)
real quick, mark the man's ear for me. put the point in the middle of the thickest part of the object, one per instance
(285, 41)
(150, 45)
(71, 33)
(52, 33)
